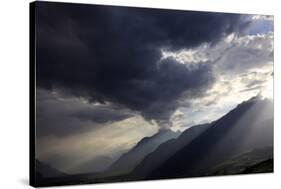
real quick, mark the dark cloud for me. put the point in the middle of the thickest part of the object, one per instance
(102, 114)
(113, 54)
(60, 117)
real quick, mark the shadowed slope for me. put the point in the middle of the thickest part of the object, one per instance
(239, 164)
(166, 150)
(262, 167)
(248, 126)
(129, 160)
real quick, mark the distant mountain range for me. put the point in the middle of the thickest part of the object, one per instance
(95, 165)
(244, 163)
(128, 161)
(239, 142)
(167, 150)
(44, 172)
(249, 126)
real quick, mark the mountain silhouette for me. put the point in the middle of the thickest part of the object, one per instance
(95, 165)
(244, 162)
(166, 150)
(45, 170)
(262, 167)
(44, 173)
(127, 162)
(239, 142)
(247, 127)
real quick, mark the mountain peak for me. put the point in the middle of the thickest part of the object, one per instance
(246, 127)
(164, 131)
(128, 161)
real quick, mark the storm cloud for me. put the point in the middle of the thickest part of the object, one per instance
(61, 116)
(113, 54)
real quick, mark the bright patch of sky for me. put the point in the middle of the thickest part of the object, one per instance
(261, 25)
(243, 68)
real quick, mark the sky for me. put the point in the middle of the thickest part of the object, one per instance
(108, 76)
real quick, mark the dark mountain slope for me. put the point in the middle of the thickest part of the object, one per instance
(45, 170)
(95, 165)
(243, 162)
(262, 167)
(248, 126)
(166, 150)
(127, 162)
(233, 143)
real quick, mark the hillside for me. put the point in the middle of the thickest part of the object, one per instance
(247, 127)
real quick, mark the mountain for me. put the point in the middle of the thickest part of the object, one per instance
(240, 142)
(245, 163)
(44, 172)
(127, 162)
(166, 150)
(97, 164)
(249, 126)
(262, 167)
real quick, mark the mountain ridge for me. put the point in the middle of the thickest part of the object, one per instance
(127, 162)
(218, 143)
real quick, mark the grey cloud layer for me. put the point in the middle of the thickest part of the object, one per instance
(66, 116)
(113, 54)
